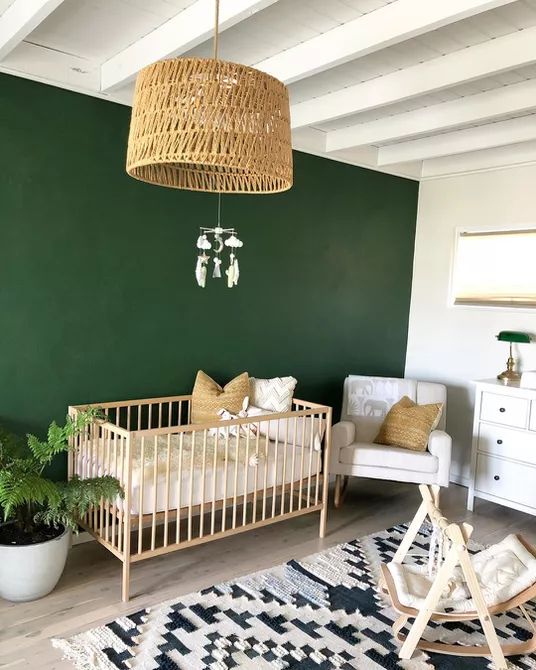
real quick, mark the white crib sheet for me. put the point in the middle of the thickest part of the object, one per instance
(190, 488)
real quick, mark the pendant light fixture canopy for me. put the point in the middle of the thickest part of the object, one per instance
(205, 124)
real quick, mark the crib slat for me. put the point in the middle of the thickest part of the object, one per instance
(107, 471)
(265, 481)
(141, 495)
(311, 447)
(102, 461)
(276, 468)
(235, 479)
(293, 478)
(179, 490)
(225, 469)
(246, 474)
(284, 475)
(122, 479)
(168, 475)
(191, 489)
(318, 459)
(115, 541)
(256, 486)
(302, 458)
(155, 492)
(203, 468)
(214, 478)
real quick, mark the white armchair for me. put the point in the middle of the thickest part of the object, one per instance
(366, 401)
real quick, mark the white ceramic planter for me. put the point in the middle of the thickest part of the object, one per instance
(31, 571)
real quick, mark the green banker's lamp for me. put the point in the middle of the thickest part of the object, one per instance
(510, 375)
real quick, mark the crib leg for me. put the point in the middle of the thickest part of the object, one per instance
(125, 591)
(323, 522)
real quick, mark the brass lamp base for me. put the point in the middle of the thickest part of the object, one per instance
(509, 376)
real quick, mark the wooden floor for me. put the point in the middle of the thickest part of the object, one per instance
(89, 591)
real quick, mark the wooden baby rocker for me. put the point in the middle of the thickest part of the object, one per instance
(454, 592)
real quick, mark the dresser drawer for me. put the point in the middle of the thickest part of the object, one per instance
(507, 442)
(504, 409)
(505, 479)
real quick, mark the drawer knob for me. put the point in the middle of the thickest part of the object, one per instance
(496, 478)
(499, 441)
(502, 409)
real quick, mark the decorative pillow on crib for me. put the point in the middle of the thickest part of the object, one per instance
(208, 397)
(274, 395)
(300, 426)
(409, 425)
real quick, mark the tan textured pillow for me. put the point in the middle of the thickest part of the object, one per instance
(208, 397)
(409, 425)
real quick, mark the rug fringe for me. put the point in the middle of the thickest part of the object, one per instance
(80, 656)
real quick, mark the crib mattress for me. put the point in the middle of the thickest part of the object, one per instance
(187, 483)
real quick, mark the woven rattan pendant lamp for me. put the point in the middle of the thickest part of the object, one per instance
(205, 124)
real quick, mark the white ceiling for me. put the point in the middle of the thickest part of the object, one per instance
(420, 88)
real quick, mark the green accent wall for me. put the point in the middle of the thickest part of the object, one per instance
(97, 291)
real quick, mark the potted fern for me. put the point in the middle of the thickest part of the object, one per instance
(38, 515)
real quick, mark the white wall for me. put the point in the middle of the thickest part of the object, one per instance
(455, 345)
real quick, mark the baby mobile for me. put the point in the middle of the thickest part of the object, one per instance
(217, 244)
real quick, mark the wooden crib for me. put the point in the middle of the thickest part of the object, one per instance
(186, 484)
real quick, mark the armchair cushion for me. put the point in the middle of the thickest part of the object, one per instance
(392, 458)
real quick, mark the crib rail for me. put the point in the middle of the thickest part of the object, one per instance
(186, 484)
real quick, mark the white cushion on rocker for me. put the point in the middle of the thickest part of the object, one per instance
(503, 571)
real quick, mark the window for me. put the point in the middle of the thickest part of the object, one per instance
(495, 268)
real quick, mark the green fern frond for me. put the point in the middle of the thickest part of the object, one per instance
(58, 436)
(21, 485)
(77, 497)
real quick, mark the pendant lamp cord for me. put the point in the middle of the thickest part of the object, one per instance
(216, 26)
(219, 210)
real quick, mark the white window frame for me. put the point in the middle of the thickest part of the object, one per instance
(451, 301)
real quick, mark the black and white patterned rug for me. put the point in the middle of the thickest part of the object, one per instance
(320, 613)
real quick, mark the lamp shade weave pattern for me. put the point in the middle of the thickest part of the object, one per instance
(210, 125)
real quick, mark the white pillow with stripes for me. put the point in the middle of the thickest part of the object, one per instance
(274, 395)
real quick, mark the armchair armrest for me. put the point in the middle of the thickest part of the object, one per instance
(440, 446)
(342, 435)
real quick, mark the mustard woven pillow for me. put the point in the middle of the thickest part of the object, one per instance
(409, 425)
(208, 397)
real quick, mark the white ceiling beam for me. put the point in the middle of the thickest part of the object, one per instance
(20, 18)
(477, 161)
(476, 108)
(312, 141)
(481, 60)
(497, 134)
(388, 25)
(183, 32)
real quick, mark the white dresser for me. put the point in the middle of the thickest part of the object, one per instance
(503, 459)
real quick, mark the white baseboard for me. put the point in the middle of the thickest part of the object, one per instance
(460, 480)
(82, 538)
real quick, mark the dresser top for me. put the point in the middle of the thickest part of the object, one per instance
(496, 386)
(496, 382)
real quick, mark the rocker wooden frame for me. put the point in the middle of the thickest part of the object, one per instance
(114, 525)
(457, 555)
